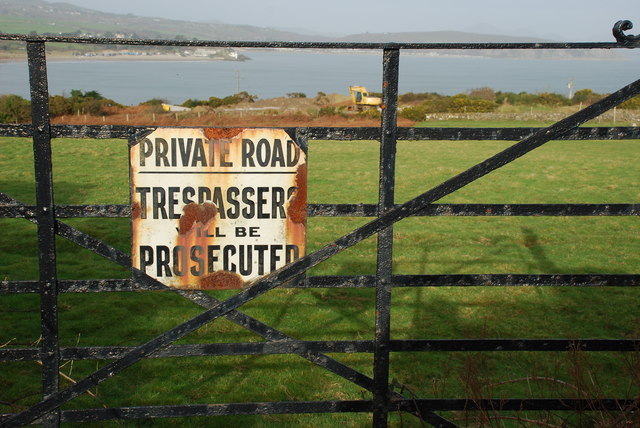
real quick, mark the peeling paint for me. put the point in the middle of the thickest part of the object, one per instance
(218, 133)
(221, 280)
(297, 209)
(135, 210)
(196, 213)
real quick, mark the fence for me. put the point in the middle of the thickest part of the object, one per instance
(46, 214)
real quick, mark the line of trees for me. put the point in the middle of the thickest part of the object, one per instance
(214, 102)
(483, 100)
(79, 102)
(15, 109)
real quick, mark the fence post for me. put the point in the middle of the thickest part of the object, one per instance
(49, 347)
(391, 59)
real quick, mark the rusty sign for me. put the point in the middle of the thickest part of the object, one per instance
(214, 208)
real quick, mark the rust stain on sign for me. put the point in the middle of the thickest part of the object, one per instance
(221, 280)
(196, 213)
(215, 208)
(217, 133)
(135, 210)
(297, 209)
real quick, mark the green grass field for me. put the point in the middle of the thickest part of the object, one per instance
(96, 171)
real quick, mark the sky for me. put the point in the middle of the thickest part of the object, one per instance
(562, 20)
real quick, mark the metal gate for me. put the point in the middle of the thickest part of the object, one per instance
(47, 216)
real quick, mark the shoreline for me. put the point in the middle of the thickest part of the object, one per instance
(165, 57)
(99, 58)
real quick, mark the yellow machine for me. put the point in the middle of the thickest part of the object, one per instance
(361, 99)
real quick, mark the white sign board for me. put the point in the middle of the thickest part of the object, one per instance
(213, 208)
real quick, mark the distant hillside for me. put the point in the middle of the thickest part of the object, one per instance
(438, 37)
(461, 37)
(27, 16)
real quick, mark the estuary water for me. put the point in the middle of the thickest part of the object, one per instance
(276, 73)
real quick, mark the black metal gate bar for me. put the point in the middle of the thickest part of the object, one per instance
(359, 281)
(347, 134)
(455, 210)
(515, 404)
(45, 215)
(424, 405)
(339, 347)
(386, 192)
(363, 210)
(622, 41)
(264, 408)
(366, 210)
(349, 406)
(292, 346)
(300, 266)
(15, 210)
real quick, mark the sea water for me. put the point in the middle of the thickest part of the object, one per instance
(277, 73)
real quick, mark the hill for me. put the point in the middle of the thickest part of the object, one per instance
(41, 17)
(463, 37)
(25, 16)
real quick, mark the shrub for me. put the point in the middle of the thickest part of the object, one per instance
(331, 111)
(327, 111)
(93, 107)
(296, 95)
(154, 102)
(551, 99)
(90, 102)
(372, 113)
(218, 102)
(60, 105)
(421, 96)
(415, 113)
(586, 96)
(190, 103)
(245, 96)
(93, 95)
(14, 108)
(522, 98)
(632, 104)
(214, 102)
(484, 93)
(459, 104)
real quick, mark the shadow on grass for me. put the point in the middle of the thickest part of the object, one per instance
(518, 311)
(541, 262)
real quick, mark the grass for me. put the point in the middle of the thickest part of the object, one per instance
(96, 171)
(16, 25)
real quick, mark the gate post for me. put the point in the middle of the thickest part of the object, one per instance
(49, 347)
(391, 59)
